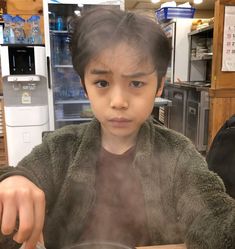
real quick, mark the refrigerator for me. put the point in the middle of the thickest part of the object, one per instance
(177, 32)
(66, 97)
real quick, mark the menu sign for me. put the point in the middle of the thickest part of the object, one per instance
(228, 59)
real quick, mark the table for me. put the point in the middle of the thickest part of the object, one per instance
(162, 102)
(175, 246)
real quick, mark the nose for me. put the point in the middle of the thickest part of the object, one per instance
(119, 99)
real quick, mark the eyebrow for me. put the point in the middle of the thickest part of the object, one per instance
(131, 75)
(136, 74)
(100, 71)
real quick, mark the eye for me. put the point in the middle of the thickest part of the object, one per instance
(136, 84)
(101, 83)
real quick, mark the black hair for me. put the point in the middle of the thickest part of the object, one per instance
(100, 28)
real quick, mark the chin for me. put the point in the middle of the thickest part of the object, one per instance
(120, 132)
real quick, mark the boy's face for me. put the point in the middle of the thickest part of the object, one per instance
(121, 90)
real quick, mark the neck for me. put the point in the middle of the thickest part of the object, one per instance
(118, 145)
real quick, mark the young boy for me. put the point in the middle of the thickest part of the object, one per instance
(119, 178)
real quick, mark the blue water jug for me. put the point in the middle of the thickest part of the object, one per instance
(35, 36)
(8, 33)
(19, 29)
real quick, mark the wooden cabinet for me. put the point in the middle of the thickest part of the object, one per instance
(26, 8)
(222, 92)
(3, 143)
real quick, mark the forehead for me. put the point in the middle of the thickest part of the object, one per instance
(122, 57)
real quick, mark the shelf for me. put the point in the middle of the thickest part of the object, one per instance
(210, 27)
(203, 58)
(62, 66)
(81, 101)
(190, 84)
(59, 31)
(23, 44)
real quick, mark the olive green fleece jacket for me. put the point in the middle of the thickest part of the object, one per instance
(184, 200)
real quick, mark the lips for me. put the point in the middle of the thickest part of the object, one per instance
(121, 119)
(119, 122)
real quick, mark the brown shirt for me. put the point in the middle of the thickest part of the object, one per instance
(119, 211)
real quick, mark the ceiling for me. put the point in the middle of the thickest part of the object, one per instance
(146, 4)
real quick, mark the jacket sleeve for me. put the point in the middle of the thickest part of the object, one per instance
(36, 167)
(205, 212)
(47, 166)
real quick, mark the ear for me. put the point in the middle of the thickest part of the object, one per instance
(160, 89)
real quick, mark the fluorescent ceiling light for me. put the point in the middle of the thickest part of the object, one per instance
(155, 1)
(197, 1)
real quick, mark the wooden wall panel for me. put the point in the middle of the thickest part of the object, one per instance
(221, 109)
(27, 7)
(220, 79)
(222, 92)
(3, 139)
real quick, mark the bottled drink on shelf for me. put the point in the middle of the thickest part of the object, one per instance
(67, 59)
(19, 29)
(35, 36)
(57, 54)
(82, 94)
(8, 33)
(52, 21)
(59, 23)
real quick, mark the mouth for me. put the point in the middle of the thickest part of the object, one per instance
(119, 122)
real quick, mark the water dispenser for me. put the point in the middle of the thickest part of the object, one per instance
(25, 98)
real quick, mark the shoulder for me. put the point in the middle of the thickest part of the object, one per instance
(178, 149)
(72, 136)
(165, 146)
(68, 134)
(168, 139)
(161, 141)
(68, 130)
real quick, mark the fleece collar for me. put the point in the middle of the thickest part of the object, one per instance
(91, 143)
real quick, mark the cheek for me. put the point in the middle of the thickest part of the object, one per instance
(97, 105)
(145, 105)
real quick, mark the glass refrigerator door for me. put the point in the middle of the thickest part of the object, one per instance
(69, 99)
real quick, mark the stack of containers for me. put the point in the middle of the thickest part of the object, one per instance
(14, 30)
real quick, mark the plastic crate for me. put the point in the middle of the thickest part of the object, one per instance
(167, 13)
